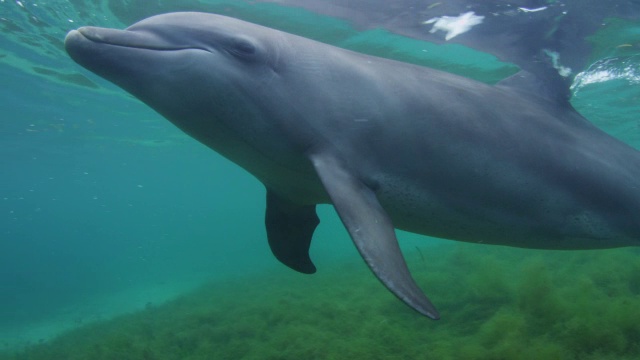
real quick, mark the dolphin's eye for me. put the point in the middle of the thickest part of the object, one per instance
(242, 47)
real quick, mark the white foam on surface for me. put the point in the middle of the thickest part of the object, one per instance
(454, 25)
(627, 69)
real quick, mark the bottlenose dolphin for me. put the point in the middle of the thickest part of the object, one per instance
(389, 144)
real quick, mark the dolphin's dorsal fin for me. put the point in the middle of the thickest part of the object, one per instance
(290, 227)
(550, 88)
(371, 230)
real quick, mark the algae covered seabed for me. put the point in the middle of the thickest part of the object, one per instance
(495, 302)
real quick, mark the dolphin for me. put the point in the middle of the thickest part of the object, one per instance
(389, 144)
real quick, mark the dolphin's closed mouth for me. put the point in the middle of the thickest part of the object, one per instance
(124, 38)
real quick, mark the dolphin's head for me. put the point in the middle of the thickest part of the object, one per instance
(185, 65)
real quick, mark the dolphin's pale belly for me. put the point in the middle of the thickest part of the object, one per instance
(567, 205)
(497, 226)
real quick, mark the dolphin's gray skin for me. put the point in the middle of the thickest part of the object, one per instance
(387, 143)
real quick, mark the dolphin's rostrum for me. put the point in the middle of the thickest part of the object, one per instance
(388, 144)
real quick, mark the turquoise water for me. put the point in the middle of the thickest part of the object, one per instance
(108, 210)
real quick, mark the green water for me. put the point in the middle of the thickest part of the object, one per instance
(151, 246)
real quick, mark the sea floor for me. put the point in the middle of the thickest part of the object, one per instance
(89, 310)
(495, 303)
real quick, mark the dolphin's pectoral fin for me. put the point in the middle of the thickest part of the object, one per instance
(372, 231)
(289, 230)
